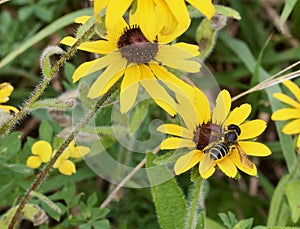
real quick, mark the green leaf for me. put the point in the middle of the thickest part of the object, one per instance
(53, 104)
(229, 219)
(244, 224)
(228, 12)
(10, 145)
(92, 200)
(276, 202)
(288, 7)
(45, 131)
(56, 25)
(167, 196)
(45, 62)
(138, 115)
(292, 190)
(46, 200)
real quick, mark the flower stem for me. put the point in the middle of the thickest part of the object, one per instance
(8, 125)
(42, 175)
(196, 209)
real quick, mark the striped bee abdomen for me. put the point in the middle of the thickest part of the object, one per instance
(218, 151)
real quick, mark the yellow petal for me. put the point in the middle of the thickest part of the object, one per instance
(99, 47)
(187, 112)
(293, 88)
(5, 91)
(292, 127)
(129, 87)
(187, 161)
(175, 143)
(68, 41)
(79, 152)
(147, 18)
(193, 49)
(223, 104)
(209, 172)
(286, 99)
(202, 106)
(82, 19)
(114, 11)
(176, 130)
(204, 6)
(33, 162)
(252, 129)
(175, 84)
(238, 115)
(206, 166)
(107, 79)
(7, 108)
(67, 167)
(96, 65)
(255, 148)
(156, 91)
(43, 149)
(286, 114)
(246, 169)
(99, 5)
(227, 167)
(174, 57)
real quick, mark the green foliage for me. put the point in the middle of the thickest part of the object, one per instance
(168, 197)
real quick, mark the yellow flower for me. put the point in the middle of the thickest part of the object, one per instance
(167, 16)
(66, 166)
(42, 151)
(292, 112)
(211, 138)
(5, 91)
(128, 54)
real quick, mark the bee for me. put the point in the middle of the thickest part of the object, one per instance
(228, 141)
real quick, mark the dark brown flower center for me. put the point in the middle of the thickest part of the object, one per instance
(135, 47)
(205, 134)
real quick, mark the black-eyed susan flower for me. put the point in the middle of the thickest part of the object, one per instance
(292, 112)
(164, 16)
(221, 139)
(5, 91)
(140, 61)
(42, 152)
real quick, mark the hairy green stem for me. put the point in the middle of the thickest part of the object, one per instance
(42, 175)
(196, 208)
(8, 125)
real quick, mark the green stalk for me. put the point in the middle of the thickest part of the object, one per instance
(196, 208)
(8, 125)
(42, 175)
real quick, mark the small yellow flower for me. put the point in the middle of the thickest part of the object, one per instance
(5, 90)
(42, 151)
(128, 54)
(292, 112)
(169, 17)
(66, 166)
(206, 135)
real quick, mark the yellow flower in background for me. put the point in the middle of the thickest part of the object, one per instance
(129, 54)
(66, 166)
(221, 139)
(292, 112)
(170, 17)
(43, 152)
(5, 91)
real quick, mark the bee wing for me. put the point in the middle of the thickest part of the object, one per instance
(205, 163)
(243, 157)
